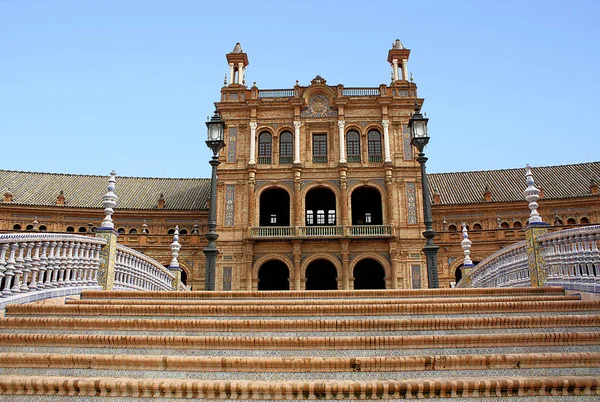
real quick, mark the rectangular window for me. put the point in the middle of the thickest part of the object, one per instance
(320, 217)
(331, 217)
(309, 217)
(319, 148)
(367, 218)
(273, 218)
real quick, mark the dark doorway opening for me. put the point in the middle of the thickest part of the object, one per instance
(274, 208)
(273, 275)
(369, 274)
(366, 207)
(320, 207)
(321, 275)
(458, 274)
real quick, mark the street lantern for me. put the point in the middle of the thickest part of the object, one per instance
(419, 138)
(215, 141)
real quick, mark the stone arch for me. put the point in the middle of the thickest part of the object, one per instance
(376, 186)
(269, 257)
(321, 256)
(385, 263)
(187, 270)
(334, 189)
(476, 258)
(270, 186)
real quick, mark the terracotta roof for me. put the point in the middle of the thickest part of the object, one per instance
(84, 191)
(507, 185)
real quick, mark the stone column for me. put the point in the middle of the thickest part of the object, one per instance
(386, 140)
(253, 126)
(536, 228)
(297, 141)
(231, 73)
(240, 73)
(251, 197)
(395, 69)
(390, 197)
(344, 198)
(394, 265)
(297, 261)
(298, 212)
(345, 264)
(341, 125)
(405, 70)
(108, 252)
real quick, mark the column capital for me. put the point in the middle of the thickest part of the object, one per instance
(297, 124)
(253, 125)
(341, 123)
(395, 62)
(385, 123)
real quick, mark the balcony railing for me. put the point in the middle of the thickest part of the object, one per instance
(275, 93)
(361, 92)
(273, 231)
(320, 231)
(365, 231)
(370, 230)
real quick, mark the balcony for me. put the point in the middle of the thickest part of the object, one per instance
(283, 232)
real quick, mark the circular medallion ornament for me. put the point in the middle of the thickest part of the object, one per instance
(319, 104)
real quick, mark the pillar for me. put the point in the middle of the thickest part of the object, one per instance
(240, 73)
(537, 265)
(297, 265)
(341, 125)
(298, 213)
(231, 73)
(395, 69)
(345, 265)
(253, 126)
(405, 70)
(386, 140)
(297, 141)
(108, 255)
(251, 198)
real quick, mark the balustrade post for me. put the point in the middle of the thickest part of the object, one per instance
(3, 248)
(35, 266)
(108, 252)
(27, 263)
(10, 267)
(19, 265)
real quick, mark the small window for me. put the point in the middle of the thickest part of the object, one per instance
(319, 148)
(374, 146)
(171, 231)
(83, 230)
(331, 217)
(517, 224)
(265, 148)
(320, 217)
(558, 222)
(571, 221)
(43, 228)
(273, 218)
(353, 146)
(183, 231)
(133, 231)
(29, 227)
(584, 221)
(504, 225)
(70, 229)
(309, 217)
(93, 229)
(452, 228)
(477, 226)
(368, 218)
(17, 227)
(121, 230)
(286, 151)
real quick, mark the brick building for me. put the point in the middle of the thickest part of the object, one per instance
(318, 189)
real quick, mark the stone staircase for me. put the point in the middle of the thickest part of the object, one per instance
(528, 344)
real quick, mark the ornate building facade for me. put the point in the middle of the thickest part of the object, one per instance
(318, 188)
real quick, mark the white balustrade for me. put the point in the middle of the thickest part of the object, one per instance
(370, 230)
(505, 267)
(272, 231)
(320, 231)
(136, 271)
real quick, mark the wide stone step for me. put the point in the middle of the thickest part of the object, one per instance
(315, 302)
(305, 310)
(302, 343)
(73, 324)
(488, 387)
(329, 294)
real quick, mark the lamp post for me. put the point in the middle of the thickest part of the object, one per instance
(419, 139)
(216, 130)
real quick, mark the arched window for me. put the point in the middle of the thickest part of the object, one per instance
(265, 148)
(353, 146)
(366, 206)
(584, 221)
(29, 227)
(504, 225)
(82, 230)
(171, 231)
(183, 232)
(286, 151)
(274, 208)
(43, 228)
(476, 226)
(558, 221)
(121, 230)
(374, 146)
(132, 231)
(70, 229)
(571, 221)
(17, 227)
(452, 228)
(517, 224)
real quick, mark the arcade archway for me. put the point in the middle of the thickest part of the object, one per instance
(369, 274)
(321, 275)
(274, 275)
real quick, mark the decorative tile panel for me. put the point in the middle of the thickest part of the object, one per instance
(229, 205)
(411, 203)
(415, 275)
(227, 278)
(232, 145)
(408, 148)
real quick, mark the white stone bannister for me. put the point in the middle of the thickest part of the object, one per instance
(505, 267)
(319, 231)
(35, 266)
(273, 231)
(572, 258)
(370, 230)
(136, 271)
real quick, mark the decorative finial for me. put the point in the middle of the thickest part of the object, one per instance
(411, 77)
(254, 84)
(244, 81)
(175, 247)
(145, 228)
(466, 246)
(532, 194)
(109, 202)
(34, 223)
(445, 223)
(195, 228)
(297, 82)
(225, 80)
(499, 222)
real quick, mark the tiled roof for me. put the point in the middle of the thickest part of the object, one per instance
(85, 191)
(507, 185)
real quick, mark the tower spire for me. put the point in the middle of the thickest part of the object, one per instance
(238, 60)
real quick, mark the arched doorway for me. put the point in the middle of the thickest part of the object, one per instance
(321, 275)
(369, 274)
(458, 274)
(320, 207)
(274, 275)
(366, 206)
(274, 208)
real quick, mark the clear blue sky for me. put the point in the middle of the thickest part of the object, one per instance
(90, 86)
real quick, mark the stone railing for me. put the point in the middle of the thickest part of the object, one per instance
(572, 258)
(370, 230)
(505, 267)
(268, 232)
(275, 93)
(361, 92)
(320, 231)
(36, 266)
(273, 231)
(136, 271)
